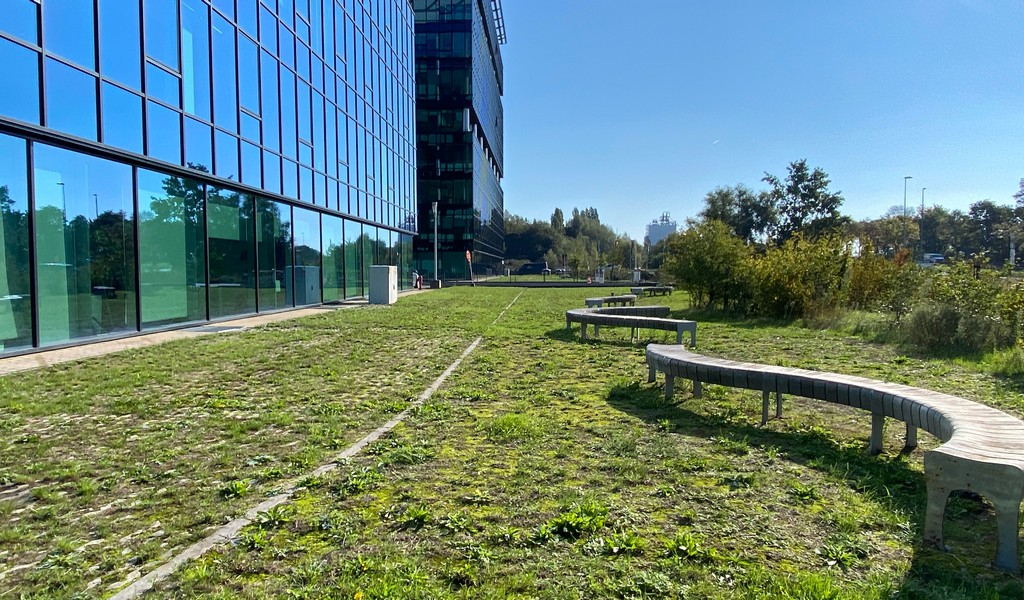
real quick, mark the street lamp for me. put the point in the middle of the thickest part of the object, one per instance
(905, 241)
(435, 238)
(922, 201)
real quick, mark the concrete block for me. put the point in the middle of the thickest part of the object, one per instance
(383, 284)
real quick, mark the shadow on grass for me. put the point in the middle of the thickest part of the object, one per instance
(573, 335)
(887, 479)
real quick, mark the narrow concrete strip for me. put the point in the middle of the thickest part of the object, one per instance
(229, 531)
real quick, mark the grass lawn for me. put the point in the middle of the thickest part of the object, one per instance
(545, 467)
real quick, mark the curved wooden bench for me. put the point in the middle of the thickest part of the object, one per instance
(983, 449)
(635, 317)
(651, 290)
(600, 301)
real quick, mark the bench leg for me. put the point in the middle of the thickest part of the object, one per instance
(935, 513)
(597, 331)
(634, 335)
(669, 381)
(679, 336)
(778, 405)
(650, 373)
(765, 395)
(698, 391)
(583, 331)
(911, 437)
(877, 426)
(1007, 515)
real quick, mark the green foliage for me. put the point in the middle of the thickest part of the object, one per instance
(579, 520)
(799, 276)
(235, 489)
(804, 203)
(709, 262)
(690, 547)
(513, 427)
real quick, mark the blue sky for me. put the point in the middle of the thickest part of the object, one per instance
(641, 107)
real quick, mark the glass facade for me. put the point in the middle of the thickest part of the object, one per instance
(459, 127)
(168, 162)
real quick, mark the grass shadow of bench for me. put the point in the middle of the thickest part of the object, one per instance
(888, 479)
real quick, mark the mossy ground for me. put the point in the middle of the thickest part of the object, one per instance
(545, 467)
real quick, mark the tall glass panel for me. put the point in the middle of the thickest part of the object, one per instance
(122, 118)
(85, 259)
(120, 54)
(333, 245)
(18, 63)
(407, 261)
(268, 95)
(248, 74)
(15, 289)
(163, 133)
(232, 253)
(369, 248)
(306, 225)
(162, 31)
(68, 30)
(195, 57)
(353, 259)
(274, 252)
(172, 267)
(198, 145)
(226, 154)
(225, 105)
(70, 100)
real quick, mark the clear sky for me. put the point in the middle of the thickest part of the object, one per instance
(641, 107)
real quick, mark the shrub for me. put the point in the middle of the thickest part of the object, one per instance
(799, 277)
(708, 261)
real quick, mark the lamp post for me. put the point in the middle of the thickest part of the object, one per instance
(435, 240)
(922, 201)
(905, 179)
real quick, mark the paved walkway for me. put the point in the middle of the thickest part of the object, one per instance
(47, 358)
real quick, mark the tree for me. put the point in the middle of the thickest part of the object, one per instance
(707, 261)
(804, 202)
(558, 220)
(749, 214)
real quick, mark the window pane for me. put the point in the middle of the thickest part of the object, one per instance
(226, 7)
(84, 245)
(250, 127)
(268, 30)
(195, 54)
(19, 18)
(15, 288)
(225, 106)
(70, 100)
(198, 146)
(305, 184)
(290, 179)
(248, 74)
(69, 30)
(20, 64)
(162, 85)
(122, 118)
(120, 52)
(287, 41)
(247, 16)
(232, 253)
(353, 259)
(171, 250)
(162, 31)
(274, 249)
(226, 149)
(163, 133)
(271, 172)
(288, 116)
(333, 258)
(268, 95)
(251, 169)
(307, 256)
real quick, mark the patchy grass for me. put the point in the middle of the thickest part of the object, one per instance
(546, 467)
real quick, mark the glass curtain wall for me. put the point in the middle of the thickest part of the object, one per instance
(333, 244)
(231, 227)
(85, 247)
(353, 259)
(306, 224)
(172, 253)
(274, 254)
(15, 286)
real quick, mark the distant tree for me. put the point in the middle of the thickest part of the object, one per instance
(749, 214)
(707, 261)
(1019, 196)
(558, 220)
(804, 202)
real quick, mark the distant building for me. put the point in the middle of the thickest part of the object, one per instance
(660, 229)
(459, 129)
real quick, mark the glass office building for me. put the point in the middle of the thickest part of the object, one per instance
(170, 162)
(459, 126)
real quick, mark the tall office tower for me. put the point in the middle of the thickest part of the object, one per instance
(459, 129)
(171, 162)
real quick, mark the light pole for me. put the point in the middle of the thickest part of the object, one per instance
(905, 241)
(922, 201)
(435, 239)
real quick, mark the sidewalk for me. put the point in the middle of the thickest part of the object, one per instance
(47, 358)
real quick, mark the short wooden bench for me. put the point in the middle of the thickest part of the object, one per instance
(651, 290)
(634, 317)
(983, 449)
(622, 300)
